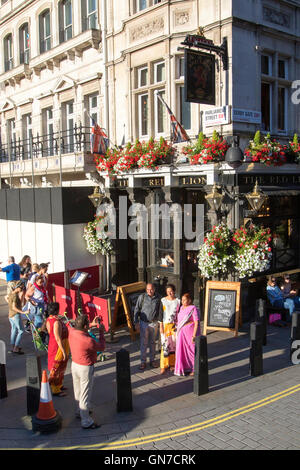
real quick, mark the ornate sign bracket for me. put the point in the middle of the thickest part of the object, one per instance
(199, 41)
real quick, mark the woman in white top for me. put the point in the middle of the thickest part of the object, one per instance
(171, 307)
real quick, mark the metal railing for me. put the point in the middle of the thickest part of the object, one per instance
(72, 140)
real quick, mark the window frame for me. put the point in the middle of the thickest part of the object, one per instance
(8, 52)
(24, 52)
(45, 40)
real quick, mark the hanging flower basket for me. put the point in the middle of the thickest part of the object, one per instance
(294, 150)
(215, 258)
(149, 154)
(207, 150)
(95, 235)
(252, 250)
(265, 150)
(242, 252)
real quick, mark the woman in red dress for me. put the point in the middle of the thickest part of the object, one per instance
(58, 350)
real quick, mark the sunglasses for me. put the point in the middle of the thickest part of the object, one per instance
(273, 280)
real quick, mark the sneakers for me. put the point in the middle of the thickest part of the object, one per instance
(92, 426)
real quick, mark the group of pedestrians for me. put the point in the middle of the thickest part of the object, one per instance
(26, 294)
(178, 323)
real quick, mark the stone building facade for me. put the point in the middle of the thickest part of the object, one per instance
(66, 62)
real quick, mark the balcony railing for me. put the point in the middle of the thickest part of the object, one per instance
(71, 141)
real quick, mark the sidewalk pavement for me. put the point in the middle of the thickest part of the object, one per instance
(162, 404)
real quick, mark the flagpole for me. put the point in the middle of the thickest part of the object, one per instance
(113, 145)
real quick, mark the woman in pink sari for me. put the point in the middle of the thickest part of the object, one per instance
(188, 327)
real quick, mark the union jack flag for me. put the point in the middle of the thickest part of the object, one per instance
(99, 140)
(177, 131)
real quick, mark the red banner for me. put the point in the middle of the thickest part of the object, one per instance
(55, 278)
(93, 306)
(67, 299)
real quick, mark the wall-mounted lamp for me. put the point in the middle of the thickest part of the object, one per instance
(215, 198)
(96, 197)
(257, 198)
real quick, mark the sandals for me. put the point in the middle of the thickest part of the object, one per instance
(59, 394)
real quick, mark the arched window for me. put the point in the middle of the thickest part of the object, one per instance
(45, 31)
(24, 43)
(8, 53)
(89, 14)
(65, 20)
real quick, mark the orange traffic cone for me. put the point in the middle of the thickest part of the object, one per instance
(47, 418)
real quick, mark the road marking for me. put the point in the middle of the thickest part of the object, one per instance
(188, 429)
(184, 430)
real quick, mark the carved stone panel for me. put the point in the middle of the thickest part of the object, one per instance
(182, 17)
(276, 17)
(155, 25)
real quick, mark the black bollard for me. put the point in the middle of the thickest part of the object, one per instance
(256, 349)
(33, 382)
(201, 366)
(295, 332)
(3, 384)
(261, 317)
(124, 393)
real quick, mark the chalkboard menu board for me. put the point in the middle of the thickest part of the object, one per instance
(222, 306)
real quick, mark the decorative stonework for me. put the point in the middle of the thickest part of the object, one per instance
(276, 17)
(181, 18)
(146, 29)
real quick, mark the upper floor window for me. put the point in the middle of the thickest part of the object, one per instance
(24, 43)
(183, 108)
(45, 31)
(274, 93)
(139, 5)
(65, 20)
(150, 111)
(89, 14)
(8, 53)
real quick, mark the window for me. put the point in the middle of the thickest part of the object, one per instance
(48, 130)
(139, 5)
(142, 77)
(8, 53)
(69, 121)
(274, 94)
(163, 225)
(24, 44)
(92, 104)
(27, 134)
(281, 214)
(151, 112)
(143, 115)
(159, 72)
(183, 111)
(65, 20)
(89, 14)
(11, 127)
(45, 31)
(160, 113)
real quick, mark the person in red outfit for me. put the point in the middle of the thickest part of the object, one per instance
(84, 355)
(58, 350)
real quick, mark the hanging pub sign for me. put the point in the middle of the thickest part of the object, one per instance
(199, 77)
